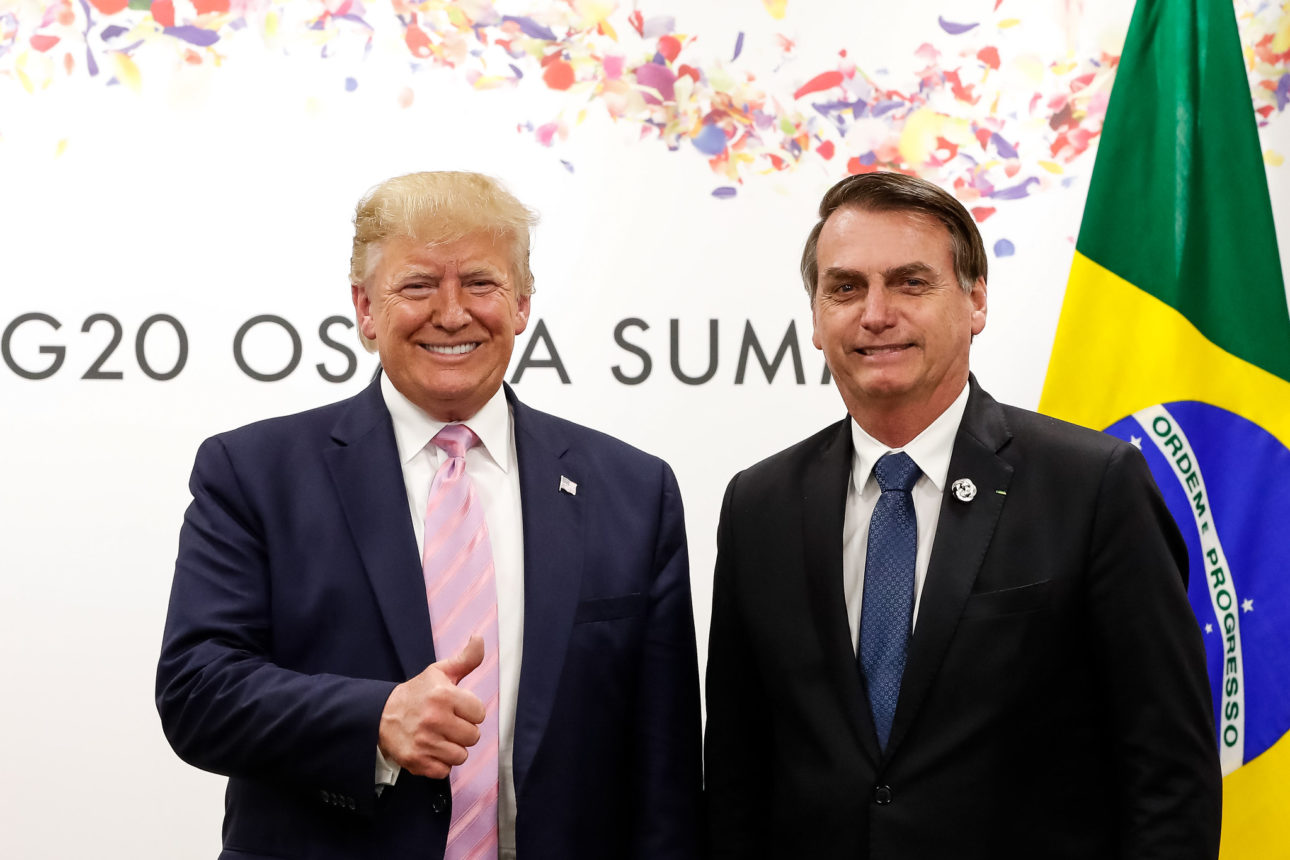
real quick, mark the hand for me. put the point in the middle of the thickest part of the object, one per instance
(428, 721)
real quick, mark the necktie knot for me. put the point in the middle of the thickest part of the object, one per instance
(456, 439)
(896, 472)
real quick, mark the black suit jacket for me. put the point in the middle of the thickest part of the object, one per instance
(298, 603)
(1054, 702)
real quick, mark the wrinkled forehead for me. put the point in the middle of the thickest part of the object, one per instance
(468, 253)
(910, 217)
(883, 237)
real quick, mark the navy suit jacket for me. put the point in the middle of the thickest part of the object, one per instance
(1054, 702)
(298, 604)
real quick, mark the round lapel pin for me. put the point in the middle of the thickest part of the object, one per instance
(964, 490)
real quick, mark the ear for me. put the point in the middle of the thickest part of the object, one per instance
(522, 313)
(363, 311)
(977, 297)
(815, 326)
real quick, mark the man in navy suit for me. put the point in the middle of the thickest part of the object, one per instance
(299, 655)
(944, 627)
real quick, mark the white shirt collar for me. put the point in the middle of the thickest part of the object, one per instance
(413, 428)
(930, 450)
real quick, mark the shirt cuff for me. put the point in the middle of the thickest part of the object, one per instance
(387, 772)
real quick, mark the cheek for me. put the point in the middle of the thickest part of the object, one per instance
(511, 324)
(955, 340)
(403, 316)
(831, 329)
(501, 319)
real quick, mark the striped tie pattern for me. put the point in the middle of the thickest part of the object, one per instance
(458, 567)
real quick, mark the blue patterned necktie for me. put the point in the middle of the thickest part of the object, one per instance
(888, 610)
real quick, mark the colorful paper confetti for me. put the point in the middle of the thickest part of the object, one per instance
(964, 121)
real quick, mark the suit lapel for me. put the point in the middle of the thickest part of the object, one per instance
(824, 498)
(365, 469)
(963, 535)
(553, 557)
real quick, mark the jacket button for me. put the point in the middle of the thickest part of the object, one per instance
(882, 795)
(439, 802)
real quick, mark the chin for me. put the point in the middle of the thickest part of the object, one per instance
(884, 384)
(886, 392)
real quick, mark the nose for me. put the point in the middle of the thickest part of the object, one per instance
(878, 313)
(451, 314)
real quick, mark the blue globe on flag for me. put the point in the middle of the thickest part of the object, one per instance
(1226, 481)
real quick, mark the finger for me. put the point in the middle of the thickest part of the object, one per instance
(461, 665)
(431, 765)
(450, 755)
(459, 732)
(433, 769)
(467, 705)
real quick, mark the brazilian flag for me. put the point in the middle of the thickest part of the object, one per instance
(1174, 335)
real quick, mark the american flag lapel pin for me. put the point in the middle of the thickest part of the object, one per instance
(567, 486)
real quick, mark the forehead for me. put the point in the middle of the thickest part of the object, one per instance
(472, 251)
(856, 238)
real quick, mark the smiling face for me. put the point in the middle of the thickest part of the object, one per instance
(444, 317)
(893, 323)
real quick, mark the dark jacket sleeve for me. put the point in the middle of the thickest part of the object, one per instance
(224, 704)
(668, 730)
(1148, 645)
(736, 789)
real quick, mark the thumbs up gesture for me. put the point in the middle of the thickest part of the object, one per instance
(429, 722)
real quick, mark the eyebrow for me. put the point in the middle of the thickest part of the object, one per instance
(429, 274)
(917, 267)
(416, 273)
(837, 274)
(482, 269)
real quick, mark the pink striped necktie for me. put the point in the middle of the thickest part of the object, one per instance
(458, 567)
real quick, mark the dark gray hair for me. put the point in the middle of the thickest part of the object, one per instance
(897, 192)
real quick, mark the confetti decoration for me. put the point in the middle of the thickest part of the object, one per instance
(962, 121)
(955, 29)
(776, 8)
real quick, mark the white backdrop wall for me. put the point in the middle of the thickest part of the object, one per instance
(196, 187)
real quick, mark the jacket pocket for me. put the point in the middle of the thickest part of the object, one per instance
(1008, 601)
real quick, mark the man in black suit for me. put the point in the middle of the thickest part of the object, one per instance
(945, 627)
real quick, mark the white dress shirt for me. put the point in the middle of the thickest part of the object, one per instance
(931, 451)
(492, 468)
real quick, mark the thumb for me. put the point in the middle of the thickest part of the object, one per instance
(465, 662)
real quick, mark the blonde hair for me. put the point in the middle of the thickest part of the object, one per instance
(436, 207)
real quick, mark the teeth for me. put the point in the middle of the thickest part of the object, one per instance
(459, 349)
